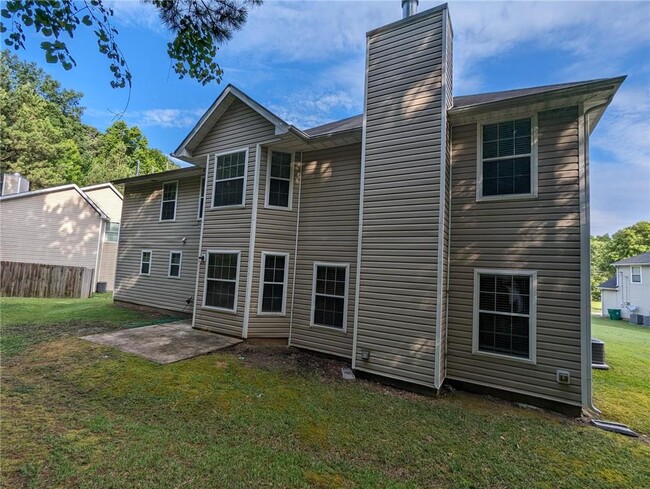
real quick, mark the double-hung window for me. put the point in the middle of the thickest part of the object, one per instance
(330, 295)
(275, 267)
(507, 166)
(504, 313)
(168, 202)
(112, 232)
(636, 274)
(175, 259)
(279, 181)
(145, 262)
(221, 277)
(229, 180)
(201, 199)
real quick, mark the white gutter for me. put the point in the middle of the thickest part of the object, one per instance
(295, 253)
(199, 261)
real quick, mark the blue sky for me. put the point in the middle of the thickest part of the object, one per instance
(304, 61)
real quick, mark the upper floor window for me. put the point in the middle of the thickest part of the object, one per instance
(201, 198)
(112, 232)
(507, 166)
(168, 202)
(229, 180)
(279, 181)
(504, 313)
(636, 275)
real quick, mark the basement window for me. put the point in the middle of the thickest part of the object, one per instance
(330, 295)
(175, 259)
(507, 165)
(504, 313)
(221, 278)
(145, 262)
(230, 180)
(279, 180)
(273, 289)
(168, 202)
(636, 275)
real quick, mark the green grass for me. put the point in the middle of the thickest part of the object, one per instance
(26, 321)
(623, 391)
(76, 414)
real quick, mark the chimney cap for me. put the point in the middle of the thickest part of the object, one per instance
(409, 7)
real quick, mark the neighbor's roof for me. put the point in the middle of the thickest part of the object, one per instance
(608, 284)
(163, 176)
(642, 259)
(348, 124)
(100, 186)
(51, 190)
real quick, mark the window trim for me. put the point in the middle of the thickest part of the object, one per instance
(214, 179)
(202, 188)
(142, 252)
(108, 225)
(532, 332)
(162, 201)
(180, 265)
(632, 267)
(268, 181)
(312, 324)
(205, 280)
(285, 284)
(534, 142)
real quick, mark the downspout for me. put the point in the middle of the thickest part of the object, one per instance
(585, 255)
(295, 250)
(199, 260)
(251, 242)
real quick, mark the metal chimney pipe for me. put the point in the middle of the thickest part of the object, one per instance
(409, 7)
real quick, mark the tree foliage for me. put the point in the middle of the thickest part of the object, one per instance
(199, 27)
(42, 136)
(605, 250)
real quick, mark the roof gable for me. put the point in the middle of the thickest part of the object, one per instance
(640, 259)
(51, 190)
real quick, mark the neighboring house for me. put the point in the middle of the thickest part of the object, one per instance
(431, 239)
(629, 289)
(64, 225)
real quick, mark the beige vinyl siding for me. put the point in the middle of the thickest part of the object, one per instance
(540, 234)
(108, 262)
(329, 220)
(107, 200)
(229, 229)
(54, 228)
(276, 233)
(397, 297)
(142, 230)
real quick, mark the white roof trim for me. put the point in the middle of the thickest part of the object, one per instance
(188, 144)
(101, 186)
(61, 188)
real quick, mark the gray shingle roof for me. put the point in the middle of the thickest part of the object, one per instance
(642, 259)
(608, 284)
(351, 123)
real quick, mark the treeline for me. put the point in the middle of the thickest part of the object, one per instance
(42, 136)
(606, 249)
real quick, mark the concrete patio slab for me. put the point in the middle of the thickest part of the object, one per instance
(164, 343)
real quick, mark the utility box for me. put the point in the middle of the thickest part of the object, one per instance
(646, 320)
(101, 287)
(636, 319)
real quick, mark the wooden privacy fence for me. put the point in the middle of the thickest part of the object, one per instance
(38, 280)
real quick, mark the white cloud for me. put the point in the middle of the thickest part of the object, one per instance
(165, 117)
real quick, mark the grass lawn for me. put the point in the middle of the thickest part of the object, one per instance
(76, 414)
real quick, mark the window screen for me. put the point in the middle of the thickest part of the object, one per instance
(112, 232)
(221, 280)
(329, 296)
(168, 207)
(175, 258)
(229, 180)
(275, 267)
(279, 179)
(504, 314)
(145, 263)
(507, 158)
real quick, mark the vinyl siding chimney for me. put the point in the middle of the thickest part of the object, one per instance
(404, 192)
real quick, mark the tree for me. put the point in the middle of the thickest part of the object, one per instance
(199, 26)
(605, 250)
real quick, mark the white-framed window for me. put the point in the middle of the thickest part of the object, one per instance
(146, 257)
(168, 201)
(274, 275)
(279, 180)
(221, 280)
(201, 199)
(112, 232)
(635, 273)
(230, 179)
(329, 303)
(507, 159)
(505, 314)
(175, 261)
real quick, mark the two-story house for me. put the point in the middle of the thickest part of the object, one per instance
(430, 239)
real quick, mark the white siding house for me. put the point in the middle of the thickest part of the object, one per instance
(629, 289)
